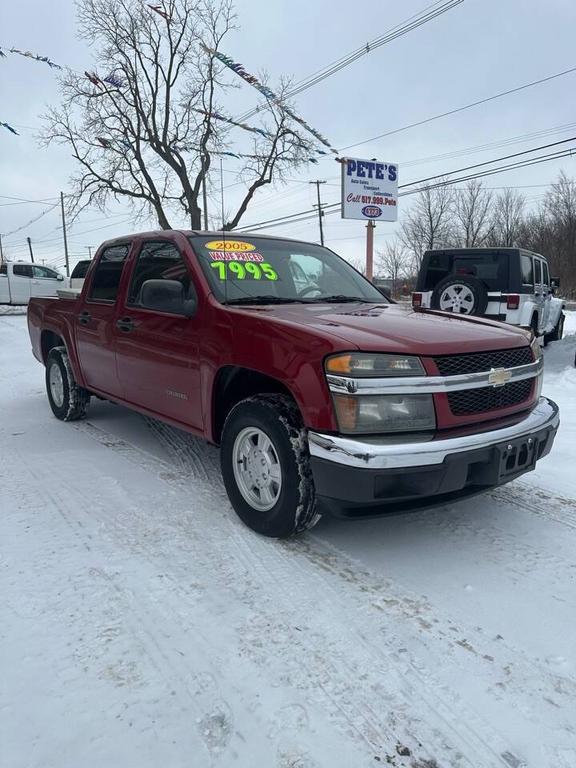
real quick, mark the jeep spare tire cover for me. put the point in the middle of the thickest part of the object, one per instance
(461, 295)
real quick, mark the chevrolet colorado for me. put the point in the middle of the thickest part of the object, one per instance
(321, 393)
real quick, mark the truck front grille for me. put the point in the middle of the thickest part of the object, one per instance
(477, 362)
(469, 401)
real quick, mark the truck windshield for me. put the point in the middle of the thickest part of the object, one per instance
(245, 270)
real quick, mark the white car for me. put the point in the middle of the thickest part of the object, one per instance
(19, 281)
(507, 284)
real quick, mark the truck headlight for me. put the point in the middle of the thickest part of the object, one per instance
(363, 364)
(362, 414)
(384, 413)
(536, 349)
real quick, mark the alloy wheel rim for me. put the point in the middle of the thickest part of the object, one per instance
(56, 385)
(457, 298)
(257, 469)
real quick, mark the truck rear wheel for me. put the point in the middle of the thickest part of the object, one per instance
(68, 401)
(266, 468)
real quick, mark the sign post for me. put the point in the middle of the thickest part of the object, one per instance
(369, 193)
(370, 227)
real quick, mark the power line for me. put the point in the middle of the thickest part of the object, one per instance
(461, 109)
(331, 208)
(32, 221)
(489, 162)
(429, 13)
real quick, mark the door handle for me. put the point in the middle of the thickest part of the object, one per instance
(126, 324)
(84, 318)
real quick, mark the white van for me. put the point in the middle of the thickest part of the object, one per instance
(20, 280)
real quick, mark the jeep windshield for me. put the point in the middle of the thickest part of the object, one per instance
(258, 270)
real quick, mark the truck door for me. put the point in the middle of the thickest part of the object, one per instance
(45, 281)
(20, 281)
(95, 322)
(158, 352)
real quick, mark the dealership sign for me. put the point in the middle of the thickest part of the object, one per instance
(369, 190)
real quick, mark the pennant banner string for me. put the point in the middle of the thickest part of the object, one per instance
(265, 91)
(114, 81)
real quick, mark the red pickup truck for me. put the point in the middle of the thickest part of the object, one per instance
(322, 394)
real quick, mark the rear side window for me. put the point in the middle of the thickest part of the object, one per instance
(106, 277)
(537, 271)
(159, 260)
(80, 269)
(22, 270)
(3, 269)
(527, 271)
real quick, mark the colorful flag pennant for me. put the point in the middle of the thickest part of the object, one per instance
(9, 127)
(160, 11)
(114, 81)
(94, 79)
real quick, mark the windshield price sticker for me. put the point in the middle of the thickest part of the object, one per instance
(239, 246)
(237, 270)
(236, 256)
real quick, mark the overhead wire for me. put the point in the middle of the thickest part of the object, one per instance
(421, 184)
(427, 14)
(462, 109)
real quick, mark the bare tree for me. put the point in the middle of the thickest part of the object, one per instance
(144, 128)
(394, 262)
(552, 232)
(472, 220)
(507, 219)
(428, 222)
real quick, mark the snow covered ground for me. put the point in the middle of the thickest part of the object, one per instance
(142, 626)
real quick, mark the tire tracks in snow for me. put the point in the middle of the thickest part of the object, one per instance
(374, 596)
(553, 507)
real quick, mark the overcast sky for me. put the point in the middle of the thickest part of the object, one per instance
(475, 50)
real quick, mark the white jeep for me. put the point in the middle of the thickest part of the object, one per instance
(507, 284)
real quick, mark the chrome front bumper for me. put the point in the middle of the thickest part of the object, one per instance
(403, 451)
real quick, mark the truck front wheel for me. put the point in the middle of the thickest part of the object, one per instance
(266, 468)
(67, 400)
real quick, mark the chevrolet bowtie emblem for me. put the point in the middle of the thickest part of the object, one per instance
(499, 376)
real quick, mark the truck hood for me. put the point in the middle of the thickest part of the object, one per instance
(396, 328)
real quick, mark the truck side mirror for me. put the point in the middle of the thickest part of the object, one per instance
(60, 278)
(166, 296)
(554, 283)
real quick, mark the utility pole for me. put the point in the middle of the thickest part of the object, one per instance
(320, 211)
(64, 233)
(89, 251)
(30, 249)
(1, 251)
(204, 195)
(370, 227)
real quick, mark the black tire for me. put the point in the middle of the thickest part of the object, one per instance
(74, 400)
(469, 285)
(558, 331)
(277, 416)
